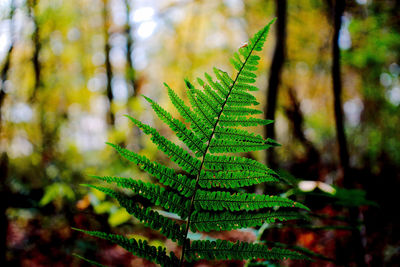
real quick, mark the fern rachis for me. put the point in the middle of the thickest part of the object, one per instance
(214, 114)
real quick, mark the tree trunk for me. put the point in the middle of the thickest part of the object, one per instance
(131, 78)
(7, 61)
(4, 201)
(130, 72)
(355, 243)
(36, 51)
(276, 73)
(4, 189)
(337, 91)
(310, 162)
(107, 48)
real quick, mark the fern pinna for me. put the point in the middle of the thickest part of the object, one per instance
(202, 196)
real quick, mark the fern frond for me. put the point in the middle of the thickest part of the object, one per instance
(302, 250)
(156, 195)
(176, 153)
(235, 179)
(185, 135)
(240, 111)
(181, 183)
(205, 113)
(165, 175)
(225, 250)
(154, 220)
(207, 89)
(235, 146)
(246, 87)
(207, 103)
(234, 163)
(237, 102)
(246, 63)
(138, 248)
(148, 217)
(206, 221)
(223, 133)
(242, 121)
(224, 79)
(236, 61)
(244, 96)
(237, 134)
(217, 108)
(195, 123)
(222, 90)
(221, 200)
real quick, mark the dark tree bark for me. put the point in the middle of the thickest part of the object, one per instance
(4, 201)
(46, 147)
(310, 163)
(337, 92)
(109, 73)
(4, 189)
(7, 61)
(4, 76)
(130, 72)
(276, 73)
(355, 242)
(36, 51)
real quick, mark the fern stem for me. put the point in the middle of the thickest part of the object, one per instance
(206, 150)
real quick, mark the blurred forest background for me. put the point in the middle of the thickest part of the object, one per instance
(70, 70)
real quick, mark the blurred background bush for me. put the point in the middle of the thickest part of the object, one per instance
(70, 70)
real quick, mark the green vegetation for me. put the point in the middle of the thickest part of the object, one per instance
(200, 196)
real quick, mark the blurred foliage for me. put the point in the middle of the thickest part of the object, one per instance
(53, 125)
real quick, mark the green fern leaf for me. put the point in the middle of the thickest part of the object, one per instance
(207, 89)
(244, 96)
(147, 216)
(224, 80)
(240, 111)
(236, 101)
(222, 200)
(235, 179)
(138, 248)
(156, 195)
(166, 176)
(188, 137)
(196, 124)
(246, 87)
(234, 163)
(130, 183)
(222, 90)
(225, 250)
(206, 102)
(235, 146)
(226, 135)
(206, 221)
(206, 114)
(176, 153)
(242, 121)
(237, 135)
